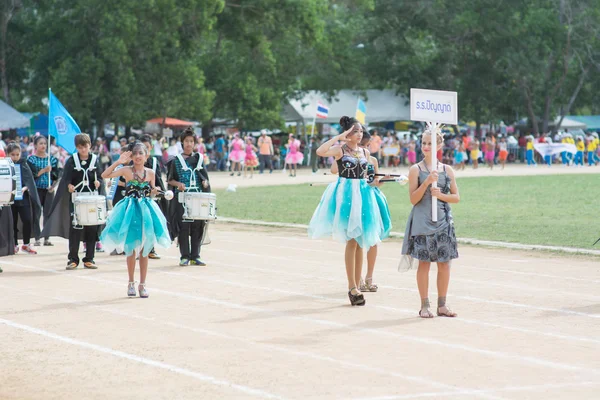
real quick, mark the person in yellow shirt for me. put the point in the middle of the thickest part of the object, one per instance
(565, 155)
(529, 151)
(580, 145)
(591, 151)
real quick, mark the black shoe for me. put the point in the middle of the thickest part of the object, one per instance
(356, 299)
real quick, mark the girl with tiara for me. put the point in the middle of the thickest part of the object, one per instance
(349, 210)
(136, 224)
(46, 178)
(426, 241)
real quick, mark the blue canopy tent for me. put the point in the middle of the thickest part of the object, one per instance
(38, 122)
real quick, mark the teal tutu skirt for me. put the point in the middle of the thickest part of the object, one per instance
(386, 219)
(135, 225)
(348, 210)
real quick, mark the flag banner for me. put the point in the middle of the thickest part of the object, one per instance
(322, 110)
(61, 125)
(361, 112)
(550, 149)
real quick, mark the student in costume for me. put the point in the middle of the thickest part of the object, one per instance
(426, 241)
(136, 224)
(186, 174)
(26, 210)
(529, 151)
(348, 210)
(81, 174)
(153, 164)
(45, 173)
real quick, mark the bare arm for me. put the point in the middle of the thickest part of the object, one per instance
(110, 171)
(326, 150)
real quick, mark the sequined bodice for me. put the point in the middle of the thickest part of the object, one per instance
(138, 189)
(353, 164)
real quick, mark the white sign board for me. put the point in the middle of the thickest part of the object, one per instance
(434, 106)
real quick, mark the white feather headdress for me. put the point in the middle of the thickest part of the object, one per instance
(434, 128)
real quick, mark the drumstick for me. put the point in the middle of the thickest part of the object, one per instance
(397, 176)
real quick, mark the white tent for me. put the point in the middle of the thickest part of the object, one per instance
(382, 106)
(11, 118)
(570, 124)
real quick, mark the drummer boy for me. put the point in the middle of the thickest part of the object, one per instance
(186, 174)
(81, 174)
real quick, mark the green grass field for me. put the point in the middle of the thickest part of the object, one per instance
(560, 210)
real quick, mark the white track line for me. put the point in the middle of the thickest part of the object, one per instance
(324, 322)
(454, 279)
(142, 360)
(394, 309)
(469, 298)
(529, 388)
(282, 349)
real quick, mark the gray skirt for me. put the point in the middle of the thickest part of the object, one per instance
(438, 247)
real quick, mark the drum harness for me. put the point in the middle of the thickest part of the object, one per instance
(193, 185)
(84, 183)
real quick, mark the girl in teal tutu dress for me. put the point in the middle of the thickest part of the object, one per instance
(348, 210)
(136, 224)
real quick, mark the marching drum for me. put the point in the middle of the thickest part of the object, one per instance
(8, 185)
(198, 206)
(89, 210)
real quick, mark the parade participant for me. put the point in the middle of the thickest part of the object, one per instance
(348, 210)
(136, 224)
(426, 241)
(186, 174)
(80, 176)
(46, 179)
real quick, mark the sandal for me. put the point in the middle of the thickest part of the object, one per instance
(448, 313)
(356, 299)
(425, 313)
(370, 286)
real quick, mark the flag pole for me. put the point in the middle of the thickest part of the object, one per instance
(434, 216)
(48, 147)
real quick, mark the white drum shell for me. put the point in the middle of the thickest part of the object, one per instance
(8, 185)
(90, 210)
(199, 206)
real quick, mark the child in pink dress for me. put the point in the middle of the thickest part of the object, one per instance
(237, 154)
(293, 156)
(250, 160)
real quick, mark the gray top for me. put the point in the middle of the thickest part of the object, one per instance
(419, 221)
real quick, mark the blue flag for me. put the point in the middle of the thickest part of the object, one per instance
(61, 125)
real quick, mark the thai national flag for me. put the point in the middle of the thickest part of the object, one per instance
(322, 110)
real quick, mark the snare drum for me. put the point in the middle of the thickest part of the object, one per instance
(198, 206)
(8, 185)
(89, 210)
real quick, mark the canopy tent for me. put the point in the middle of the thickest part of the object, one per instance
(38, 122)
(172, 122)
(568, 123)
(591, 121)
(11, 118)
(382, 106)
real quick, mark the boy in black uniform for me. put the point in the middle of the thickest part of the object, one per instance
(82, 175)
(186, 173)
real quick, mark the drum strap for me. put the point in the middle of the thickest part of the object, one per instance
(78, 167)
(185, 167)
(154, 164)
